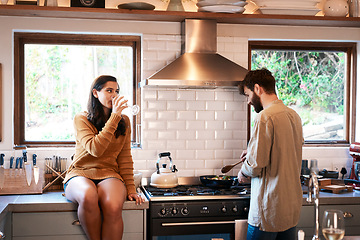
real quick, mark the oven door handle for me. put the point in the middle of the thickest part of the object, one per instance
(195, 223)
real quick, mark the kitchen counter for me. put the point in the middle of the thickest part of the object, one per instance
(343, 198)
(48, 202)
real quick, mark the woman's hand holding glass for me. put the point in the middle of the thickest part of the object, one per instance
(333, 226)
(118, 104)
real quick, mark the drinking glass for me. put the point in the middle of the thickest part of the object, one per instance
(333, 226)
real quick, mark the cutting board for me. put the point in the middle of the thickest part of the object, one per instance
(334, 185)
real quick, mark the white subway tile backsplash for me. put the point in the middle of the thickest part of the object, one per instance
(205, 115)
(186, 115)
(167, 95)
(156, 105)
(223, 154)
(176, 125)
(224, 134)
(186, 134)
(195, 125)
(195, 144)
(149, 115)
(186, 95)
(196, 105)
(205, 95)
(167, 115)
(233, 125)
(215, 105)
(195, 164)
(224, 96)
(214, 164)
(149, 94)
(224, 115)
(155, 45)
(176, 105)
(176, 144)
(166, 135)
(185, 154)
(156, 125)
(205, 154)
(214, 144)
(231, 144)
(214, 125)
(205, 135)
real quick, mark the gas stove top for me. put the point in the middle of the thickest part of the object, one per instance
(195, 192)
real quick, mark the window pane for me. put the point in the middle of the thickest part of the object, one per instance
(58, 80)
(313, 84)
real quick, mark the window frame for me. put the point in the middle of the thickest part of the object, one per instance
(350, 81)
(22, 38)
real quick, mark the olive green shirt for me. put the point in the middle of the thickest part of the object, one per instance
(273, 162)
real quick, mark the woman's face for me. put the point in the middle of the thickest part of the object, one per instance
(106, 94)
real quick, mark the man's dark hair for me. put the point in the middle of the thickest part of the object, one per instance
(262, 77)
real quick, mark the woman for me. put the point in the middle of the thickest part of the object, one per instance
(101, 174)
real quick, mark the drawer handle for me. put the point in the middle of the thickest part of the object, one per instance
(2, 235)
(76, 222)
(348, 215)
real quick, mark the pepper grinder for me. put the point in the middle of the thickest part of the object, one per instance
(353, 8)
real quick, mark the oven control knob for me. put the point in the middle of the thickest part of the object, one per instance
(235, 209)
(185, 211)
(223, 209)
(163, 212)
(246, 209)
(174, 211)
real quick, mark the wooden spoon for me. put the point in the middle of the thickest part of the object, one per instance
(227, 168)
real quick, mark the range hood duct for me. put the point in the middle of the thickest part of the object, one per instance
(200, 66)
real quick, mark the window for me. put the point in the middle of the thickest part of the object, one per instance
(313, 78)
(53, 76)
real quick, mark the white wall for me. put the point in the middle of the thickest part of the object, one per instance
(203, 129)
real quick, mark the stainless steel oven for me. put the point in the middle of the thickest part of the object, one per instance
(197, 212)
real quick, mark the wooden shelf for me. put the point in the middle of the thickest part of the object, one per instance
(171, 16)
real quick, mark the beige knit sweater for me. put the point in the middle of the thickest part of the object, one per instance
(99, 155)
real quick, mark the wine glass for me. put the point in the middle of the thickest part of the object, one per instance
(333, 226)
(134, 109)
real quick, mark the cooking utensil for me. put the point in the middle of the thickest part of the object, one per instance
(28, 168)
(164, 177)
(227, 168)
(36, 169)
(2, 170)
(218, 181)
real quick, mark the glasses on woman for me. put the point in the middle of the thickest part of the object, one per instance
(333, 225)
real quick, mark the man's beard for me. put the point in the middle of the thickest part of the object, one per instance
(256, 103)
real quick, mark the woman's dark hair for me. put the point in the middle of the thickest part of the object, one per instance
(96, 114)
(262, 77)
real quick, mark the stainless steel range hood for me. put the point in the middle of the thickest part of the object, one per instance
(200, 66)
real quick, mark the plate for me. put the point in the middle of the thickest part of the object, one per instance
(293, 11)
(137, 5)
(222, 9)
(204, 3)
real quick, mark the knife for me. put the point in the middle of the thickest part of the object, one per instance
(2, 170)
(36, 170)
(28, 168)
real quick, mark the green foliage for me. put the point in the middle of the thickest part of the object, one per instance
(311, 80)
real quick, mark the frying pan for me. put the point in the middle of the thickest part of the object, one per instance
(212, 182)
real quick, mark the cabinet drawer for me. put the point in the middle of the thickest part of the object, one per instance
(27, 225)
(45, 223)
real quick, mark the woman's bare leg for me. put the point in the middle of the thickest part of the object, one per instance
(83, 191)
(112, 195)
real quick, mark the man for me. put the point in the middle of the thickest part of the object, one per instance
(272, 161)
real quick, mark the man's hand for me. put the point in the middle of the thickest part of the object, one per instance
(242, 178)
(243, 156)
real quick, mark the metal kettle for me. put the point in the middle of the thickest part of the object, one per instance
(164, 177)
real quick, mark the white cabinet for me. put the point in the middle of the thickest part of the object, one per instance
(352, 219)
(63, 225)
(5, 226)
